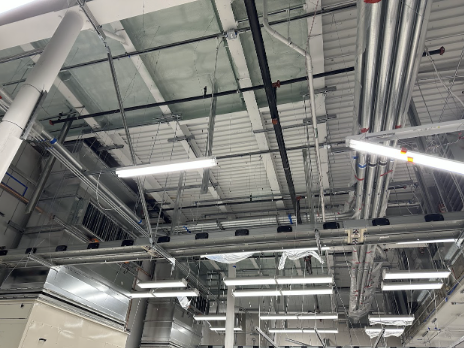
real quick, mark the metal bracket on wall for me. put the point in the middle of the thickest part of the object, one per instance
(355, 235)
(33, 117)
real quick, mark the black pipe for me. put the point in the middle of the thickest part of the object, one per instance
(439, 51)
(270, 94)
(200, 97)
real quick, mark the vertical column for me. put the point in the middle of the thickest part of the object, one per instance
(40, 79)
(230, 312)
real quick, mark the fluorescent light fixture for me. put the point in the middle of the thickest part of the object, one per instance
(176, 293)
(408, 156)
(179, 166)
(158, 284)
(249, 281)
(256, 293)
(259, 293)
(140, 294)
(305, 316)
(274, 251)
(7, 5)
(386, 286)
(219, 317)
(224, 329)
(313, 279)
(419, 274)
(375, 331)
(425, 241)
(314, 291)
(322, 331)
(397, 320)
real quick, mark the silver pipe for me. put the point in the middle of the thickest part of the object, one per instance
(417, 48)
(372, 31)
(408, 20)
(383, 82)
(46, 171)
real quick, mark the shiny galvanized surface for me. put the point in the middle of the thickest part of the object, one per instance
(85, 290)
(167, 324)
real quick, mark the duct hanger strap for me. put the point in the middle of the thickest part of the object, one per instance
(33, 117)
(355, 235)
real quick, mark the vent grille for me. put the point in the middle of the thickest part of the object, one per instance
(102, 226)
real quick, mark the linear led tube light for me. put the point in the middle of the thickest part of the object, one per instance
(314, 291)
(388, 319)
(259, 293)
(140, 294)
(303, 330)
(305, 316)
(152, 169)
(314, 279)
(218, 317)
(7, 5)
(449, 240)
(224, 329)
(408, 156)
(419, 274)
(175, 293)
(386, 286)
(158, 284)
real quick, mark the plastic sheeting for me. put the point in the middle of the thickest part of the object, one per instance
(394, 322)
(297, 254)
(229, 258)
(388, 332)
(184, 302)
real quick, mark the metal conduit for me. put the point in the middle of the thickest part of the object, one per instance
(417, 47)
(372, 19)
(389, 30)
(408, 20)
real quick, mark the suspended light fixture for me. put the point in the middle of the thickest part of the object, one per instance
(158, 284)
(210, 317)
(418, 274)
(176, 293)
(426, 241)
(224, 329)
(298, 292)
(396, 320)
(322, 331)
(312, 279)
(180, 166)
(408, 156)
(305, 316)
(7, 5)
(389, 286)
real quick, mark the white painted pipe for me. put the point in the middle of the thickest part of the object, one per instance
(309, 71)
(40, 79)
(230, 311)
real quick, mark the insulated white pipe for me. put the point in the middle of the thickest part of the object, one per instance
(309, 71)
(40, 79)
(230, 311)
